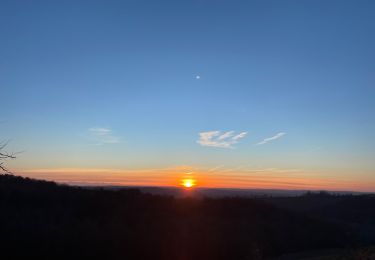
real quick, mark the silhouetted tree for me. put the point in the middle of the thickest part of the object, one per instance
(5, 156)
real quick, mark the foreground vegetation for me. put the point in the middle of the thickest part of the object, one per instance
(51, 221)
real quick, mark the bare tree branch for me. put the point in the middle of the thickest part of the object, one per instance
(5, 156)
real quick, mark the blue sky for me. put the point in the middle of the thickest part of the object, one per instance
(113, 84)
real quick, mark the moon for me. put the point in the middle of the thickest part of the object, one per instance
(197, 77)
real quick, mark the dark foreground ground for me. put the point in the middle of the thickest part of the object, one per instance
(49, 221)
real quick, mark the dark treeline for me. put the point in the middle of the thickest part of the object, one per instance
(50, 221)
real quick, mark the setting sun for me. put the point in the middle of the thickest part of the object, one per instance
(188, 183)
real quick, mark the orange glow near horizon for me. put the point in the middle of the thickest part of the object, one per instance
(188, 176)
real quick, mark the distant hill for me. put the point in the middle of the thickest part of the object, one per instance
(48, 221)
(225, 192)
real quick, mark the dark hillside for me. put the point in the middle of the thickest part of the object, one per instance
(354, 211)
(50, 221)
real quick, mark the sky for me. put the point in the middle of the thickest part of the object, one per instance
(234, 94)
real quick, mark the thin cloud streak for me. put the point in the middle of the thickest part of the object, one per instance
(102, 135)
(216, 168)
(269, 139)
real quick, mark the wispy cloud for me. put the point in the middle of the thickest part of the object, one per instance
(103, 135)
(239, 136)
(216, 168)
(269, 139)
(220, 139)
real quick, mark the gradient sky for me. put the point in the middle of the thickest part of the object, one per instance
(265, 94)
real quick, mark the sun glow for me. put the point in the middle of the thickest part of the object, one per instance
(188, 183)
